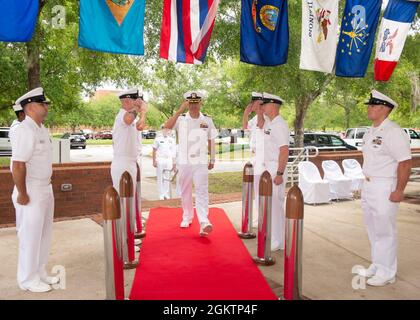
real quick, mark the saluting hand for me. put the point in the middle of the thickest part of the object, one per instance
(23, 199)
(248, 109)
(183, 106)
(396, 196)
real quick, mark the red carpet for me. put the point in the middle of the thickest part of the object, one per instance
(178, 264)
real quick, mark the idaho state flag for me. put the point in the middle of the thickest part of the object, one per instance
(114, 26)
(358, 28)
(18, 20)
(396, 22)
(264, 32)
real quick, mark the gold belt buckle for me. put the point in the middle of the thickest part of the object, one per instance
(367, 179)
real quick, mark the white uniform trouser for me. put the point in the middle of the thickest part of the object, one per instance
(163, 182)
(34, 229)
(380, 218)
(197, 174)
(277, 205)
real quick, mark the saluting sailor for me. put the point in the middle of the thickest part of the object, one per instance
(33, 196)
(273, 156)
(387, 167)
(126, 135)
(164, 157)
(196, 134)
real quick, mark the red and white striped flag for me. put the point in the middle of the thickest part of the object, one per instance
(396, 23)
(186, 29)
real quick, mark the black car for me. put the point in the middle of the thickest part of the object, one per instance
(77, 140)
(149, 134)
(324, 142)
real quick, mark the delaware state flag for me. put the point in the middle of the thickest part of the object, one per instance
(187, 26)
(358, 28)
(18, 20)
(264, 32)
(114, 26)
(396, 22)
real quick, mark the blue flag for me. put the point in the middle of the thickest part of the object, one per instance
(18, 20)
(264, 32)
(358, 28)
(114, 26)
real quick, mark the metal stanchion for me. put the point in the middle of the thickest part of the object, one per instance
(114, 264)
(140, 233)
(264, 221)
(293, 247)
(128, 220)
(247, 199)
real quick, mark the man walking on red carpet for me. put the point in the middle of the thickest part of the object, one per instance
(196, 133)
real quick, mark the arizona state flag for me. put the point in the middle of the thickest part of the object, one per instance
(396, 23)
(18, 20)
(114, 26)
(358, 28)
(264, 32)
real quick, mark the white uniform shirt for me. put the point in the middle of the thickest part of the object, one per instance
(383, 147)
(252, 127)
(276, 135)
(126, 139)
(165, 147)
(31, 144)
(193, 135)
(13, 127)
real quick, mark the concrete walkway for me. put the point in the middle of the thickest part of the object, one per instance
(335, 240)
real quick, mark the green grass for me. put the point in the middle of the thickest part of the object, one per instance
(99, 142)
(225, 182)
(4, 161)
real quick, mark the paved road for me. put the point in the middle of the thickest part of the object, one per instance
(104, 153)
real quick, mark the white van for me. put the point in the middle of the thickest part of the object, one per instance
(354, 137)
(5, 145)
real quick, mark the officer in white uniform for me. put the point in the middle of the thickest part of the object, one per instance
(387, 167)
(164, 154)
(196, 134)
(20, 116)
(251, 126)
(32, 196)
(273, 156)
(126, 136)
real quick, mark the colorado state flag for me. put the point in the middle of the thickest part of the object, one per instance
(358, 28)
(114, 26)
(264, 32)
(18, 20)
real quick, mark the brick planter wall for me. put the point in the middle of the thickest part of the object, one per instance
(88, 180)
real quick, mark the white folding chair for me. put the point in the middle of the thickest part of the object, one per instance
(353, 170)
(340, 186)
(314, 189)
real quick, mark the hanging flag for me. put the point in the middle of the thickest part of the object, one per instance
(18, 20)
(187, 26)
(114, 26)
(319, 35)
(264, 32)
(396, 22)
(358, 28)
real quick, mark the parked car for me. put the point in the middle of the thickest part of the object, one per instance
(323, 141)
(148, 134)
(354, 137)
(5, 145)
(104, 135)
(77, 140)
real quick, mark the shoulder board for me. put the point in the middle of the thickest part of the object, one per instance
(206, 115)
(183, 115)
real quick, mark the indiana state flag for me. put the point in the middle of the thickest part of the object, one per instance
(358, 28)
(395, 25)
(264, 32)
(114, 26)
(18, 20)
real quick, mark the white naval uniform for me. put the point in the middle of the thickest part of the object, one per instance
(192, 163)
(275, 134)
(126, 142)
(383, 147)
(31, 144)
(165, 153)
(13, 127)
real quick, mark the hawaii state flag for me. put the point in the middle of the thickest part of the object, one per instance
(319, 35)
(396, 23)
(18, 20)
(114, 26)
(264, 32)
(358, 28)
(187, 26)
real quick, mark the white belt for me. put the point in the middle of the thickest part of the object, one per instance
(125, 158)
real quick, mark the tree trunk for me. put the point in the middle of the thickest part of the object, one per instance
(347, 116)
(301, 108)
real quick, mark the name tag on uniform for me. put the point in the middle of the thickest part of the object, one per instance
(267, 131)
(41, 141)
